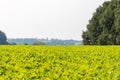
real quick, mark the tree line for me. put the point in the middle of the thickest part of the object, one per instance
(3, 38)
(104, 27)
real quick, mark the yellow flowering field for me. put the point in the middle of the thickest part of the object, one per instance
(59, 62)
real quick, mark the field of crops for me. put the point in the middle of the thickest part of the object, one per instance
(59, 62)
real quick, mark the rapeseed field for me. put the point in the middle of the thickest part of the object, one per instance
(59, 62)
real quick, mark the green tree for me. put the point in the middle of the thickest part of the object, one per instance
(104, 27)
(39, 43)
(3, 38)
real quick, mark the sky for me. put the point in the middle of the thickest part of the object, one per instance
(63, 19)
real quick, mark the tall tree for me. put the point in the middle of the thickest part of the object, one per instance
(104, 27)
(3, 38)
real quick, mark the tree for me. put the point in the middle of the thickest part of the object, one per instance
(39, 43)
(3, 38)
(104, 27)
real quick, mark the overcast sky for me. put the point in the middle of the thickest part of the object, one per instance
(63, 19)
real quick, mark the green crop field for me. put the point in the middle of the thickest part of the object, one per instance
(59, 62)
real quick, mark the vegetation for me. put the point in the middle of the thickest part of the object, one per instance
(3, 38)
(39, 43)
(59, 63)
(104, 27)
(45, 41)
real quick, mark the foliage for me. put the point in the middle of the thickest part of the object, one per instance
(59, 63)
(45, 41)
(3, 38)
(104, 27)
(39, 43)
